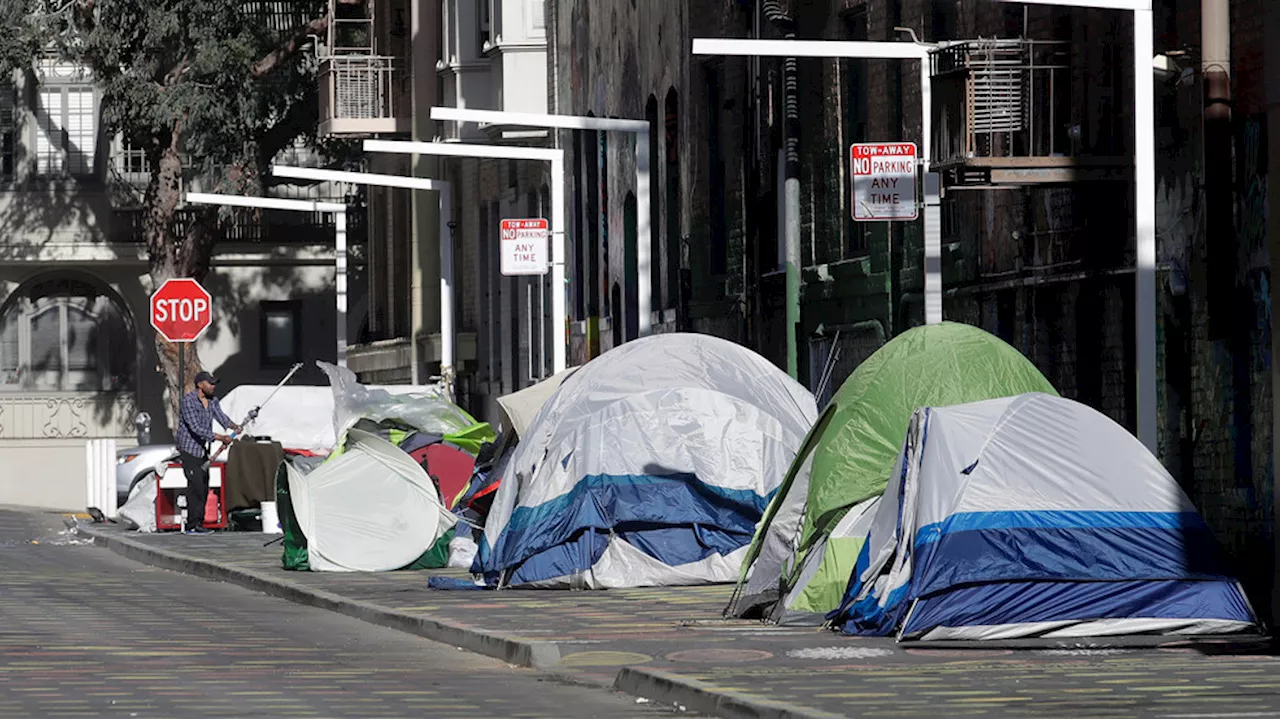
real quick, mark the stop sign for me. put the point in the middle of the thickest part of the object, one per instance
(181, 310)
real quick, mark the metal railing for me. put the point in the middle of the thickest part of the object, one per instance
(1001, 98)
(360, 88)
(242, 226)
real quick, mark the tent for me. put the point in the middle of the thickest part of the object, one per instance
(519, 408)
(649, 466)
(370, 508)
(298, 417)
(1035, 516)
(433, 444)
(847, 458)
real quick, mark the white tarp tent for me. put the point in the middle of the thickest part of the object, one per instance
(370, 509)
(298, 417)
(1035, 516)
(649, 466)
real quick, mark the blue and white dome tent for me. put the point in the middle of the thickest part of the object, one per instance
(1035, 516)
(650, 466)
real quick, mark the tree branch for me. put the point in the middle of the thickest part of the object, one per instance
(288, 47)
(177, 71)
(301, 115)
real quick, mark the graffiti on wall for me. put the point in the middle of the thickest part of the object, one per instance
(1252, 211)
(1252, 215)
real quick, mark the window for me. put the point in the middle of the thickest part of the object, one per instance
(130, 163)
(281, 333)
(537, 17)
(485, 20)
(8, 131)
(64, 335)
(65, 144)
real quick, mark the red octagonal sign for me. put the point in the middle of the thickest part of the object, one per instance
(181, 310)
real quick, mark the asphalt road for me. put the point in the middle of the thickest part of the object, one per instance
(85, 633)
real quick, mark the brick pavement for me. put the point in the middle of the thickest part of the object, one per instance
(87, 633)
(671, 644)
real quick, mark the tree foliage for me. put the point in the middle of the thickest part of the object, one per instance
(207, 89)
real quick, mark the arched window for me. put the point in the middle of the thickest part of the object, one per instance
(63, 334)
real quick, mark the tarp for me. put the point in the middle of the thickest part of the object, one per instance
(298, 417)
(649, 466)
(519, 408)
(250, 476)
(847, 458)
(1035, 516)
(369, 509)
(353, 402)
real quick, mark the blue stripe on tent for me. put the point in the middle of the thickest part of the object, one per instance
(1028, 602)
(1087, 553)
(675, 519)
(1058, 519)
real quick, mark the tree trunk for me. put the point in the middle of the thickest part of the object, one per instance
(173, 258)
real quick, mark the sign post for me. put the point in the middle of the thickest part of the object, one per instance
(524, 247)
(884, 183)
(181, 311)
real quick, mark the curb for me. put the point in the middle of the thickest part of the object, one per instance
(655, 685)
(704, 698)
(531, 654)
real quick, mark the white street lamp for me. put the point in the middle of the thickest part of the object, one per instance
(932, 204)
(639, 128)
(447, 330)
(340, 241)
(1144, 181)
(501, 152)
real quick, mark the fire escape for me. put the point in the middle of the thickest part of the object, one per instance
(1000, 119)
(1028, 118)
(362, 93)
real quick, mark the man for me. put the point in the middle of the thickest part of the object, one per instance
(195, 433)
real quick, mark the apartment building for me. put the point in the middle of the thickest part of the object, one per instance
(494, 57)
(77, 353)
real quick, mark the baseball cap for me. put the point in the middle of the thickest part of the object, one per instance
(206, 377)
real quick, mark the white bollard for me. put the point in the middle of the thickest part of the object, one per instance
(100, 476)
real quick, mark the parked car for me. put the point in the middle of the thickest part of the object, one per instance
(135, 463)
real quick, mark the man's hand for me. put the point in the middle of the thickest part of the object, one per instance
(222, 438)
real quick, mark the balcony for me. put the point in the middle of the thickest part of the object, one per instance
(264, 227)
(363, 96)
(1002, 117)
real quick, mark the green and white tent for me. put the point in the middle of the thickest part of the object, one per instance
(805, 546)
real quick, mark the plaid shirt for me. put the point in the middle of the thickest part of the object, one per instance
(195, 426)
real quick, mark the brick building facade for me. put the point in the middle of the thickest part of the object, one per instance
(1045, 262)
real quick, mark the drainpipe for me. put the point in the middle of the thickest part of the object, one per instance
(781, 18)
(1271, 18)
(1215, 68)
(424, 220)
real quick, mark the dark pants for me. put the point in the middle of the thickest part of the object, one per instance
(197, 488)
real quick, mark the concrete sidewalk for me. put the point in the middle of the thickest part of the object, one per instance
(670, 645)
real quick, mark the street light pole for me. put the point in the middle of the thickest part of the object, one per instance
(448, 332)
(556, 159)
(340, 242)
(832, 49)
(1144, 181)
(639, 128)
